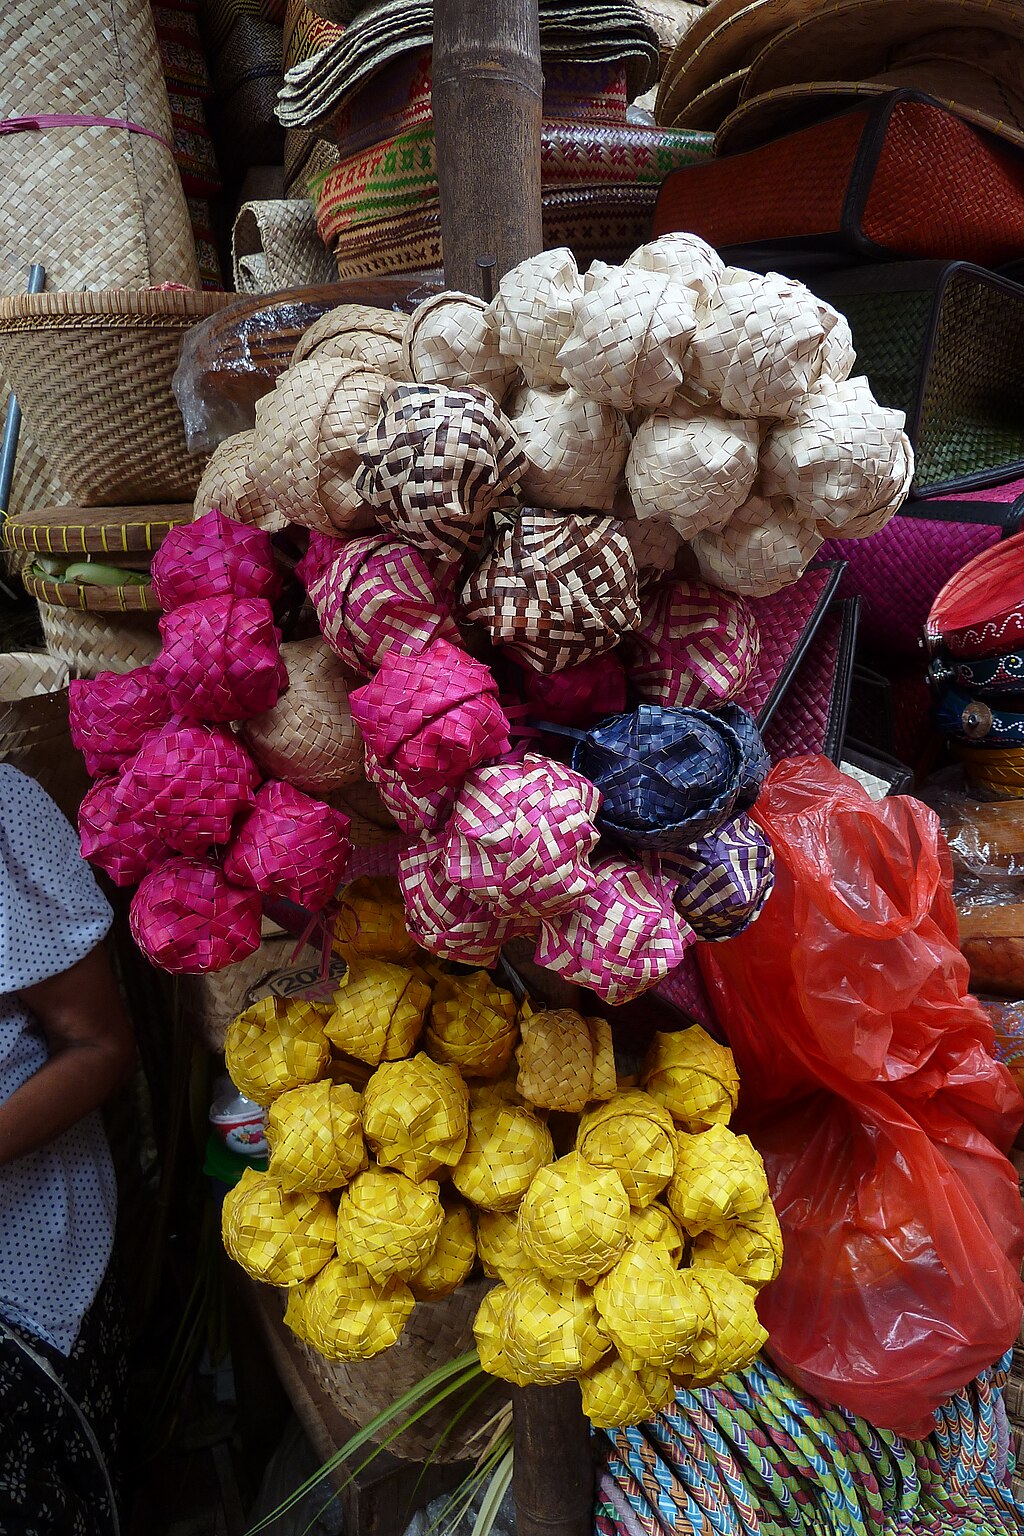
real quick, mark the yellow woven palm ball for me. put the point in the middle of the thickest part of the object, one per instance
(472, 1025)
(316, 1137)
(574, 1219)
(750, 1249)
(416, 1116)
(693, 1076)
(652, 1311)
(490, 1335)
(732, 1336)
(718, 1177)
(633, 1134)
(505, 1148)
(371, 922)
(556, 1059)
(615, 1396)
(347, 1315)
(452, 1259)
(295, 1310)
(388, 1224)
(378, 1011)
(604, 1083)
(552, 1329)
(275, 1234)
(497, 1241)
(276, 1045)
(654, 1224)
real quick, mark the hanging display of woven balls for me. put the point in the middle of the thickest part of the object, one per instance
(289, 845)
(111, 715)
(221, 658)
(432, 716)
(389, 1224)
(656, 1225)
(187, 919)
(505, 1148)
(378, 1011)
(315, 1135)
(275, 1234)
(666, 776)
(186, 784)
(444, 918)
(577, 695)
(416, 1116)
(614, 1395)
(763, 548)
(695, 649)
(733, 1336)
(490, 1335)
(574, 1219)
(724, 879)
(552, 1329)
(533, 310)
(374, 596)
(308, 737)
(452, 1259)
(718, 1177)
(123, 848)
(472, 1025)
(345, 1314)
(214, 557)
(452, 341)
(634, 1135)
(436, 463)
(275, 1045)
(556, 589)
(652, 1311)
(693, 1076)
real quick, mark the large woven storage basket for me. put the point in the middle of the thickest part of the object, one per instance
(34, 733)
(436, 1332)
(90, 643)
(93, 374)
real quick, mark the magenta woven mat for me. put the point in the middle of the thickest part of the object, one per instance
(787, 621)
(801, 722)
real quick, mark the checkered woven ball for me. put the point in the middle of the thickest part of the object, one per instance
(123, 848)
(693, 1076)
(622, 939)
(692, 468)
(533, 310)
(374, 596)
(472, 1025)
(414, 810)
(491, 1337)
(755, 764)
(497, 1241)
(186, 784)
(552, 1330)
(187, 919)
(656, 547)
(634, 1135)
(750, 1249)
(378, 1011)
(724, 879)
(655, 1224)
(733, 1336)
(718, 1177)
(577, 695)
(289, 845)
(316, 1136)
(506, 1146)
(759, 551)
(651, 1310)
(695, 648)
(221, 658)
(214, 557)
(275, 1045)
(436, 463)
(574, 1219)
(308, 737)
(277, 1235)
(444, 918)
(564, 1060)
(556, 589)
(432, 716)
(613, 1395)
(371, 922)
(348, 1315)
(389, 1224)
(416, 1116)
(452, 341)
(452, 1259)
(112, 714)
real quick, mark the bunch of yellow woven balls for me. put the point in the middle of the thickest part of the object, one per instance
(408, 1123)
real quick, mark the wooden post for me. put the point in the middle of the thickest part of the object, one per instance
(553, 1469)
(486, 89)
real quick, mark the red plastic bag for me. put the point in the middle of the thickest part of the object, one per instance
(870, 1089)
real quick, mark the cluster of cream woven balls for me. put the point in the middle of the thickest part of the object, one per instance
(678, 389)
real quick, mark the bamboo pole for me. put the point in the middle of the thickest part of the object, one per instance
(486, 89)
(552, 1469)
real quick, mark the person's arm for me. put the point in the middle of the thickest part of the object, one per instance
(91, 1053)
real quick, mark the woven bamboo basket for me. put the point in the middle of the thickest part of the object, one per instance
(34, 733)
(89, 643)
(130, 598)
(436, 1332)
(93, 374)
(110, 532)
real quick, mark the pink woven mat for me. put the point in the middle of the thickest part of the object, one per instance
(787, 621)
(801, 723)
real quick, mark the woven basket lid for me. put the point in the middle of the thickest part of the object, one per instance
(711, 106)
(92, 530)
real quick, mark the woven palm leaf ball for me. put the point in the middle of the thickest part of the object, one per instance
(378, 1011)
(118, 845)
(445, 919)
(491, 1337)
(221, 658)
(505, 1148)
(453, 1257)
(497, 1241)
(416, 1116)
(762, 548)
(613, 1395)
(111, 715)
(691, 467)
(275, 1234)
(693, 1076)
(316, 1136)
(348, 1315)
(564, 1060)
(214, 557)
(652, 1311)
(371, 922)
(389, 1224)
(732, 1337)
(308, 737)
(553, 1331)
(229, 484)
(574, 1219)
(276, 1045)
(749, 1248)
(452, 340)
(575, 448)
(359, 332)
(656, 1225)
(533, 310)
(718, 1177)
(289, 845)
(186, 784)
(684, 257)
(634, 1135)
(696, 647)
(472, 1025)
(188, 920)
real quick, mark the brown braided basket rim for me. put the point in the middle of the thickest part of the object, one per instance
(112, 306)
(69, 594)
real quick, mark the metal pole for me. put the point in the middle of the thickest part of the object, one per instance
(12, 424)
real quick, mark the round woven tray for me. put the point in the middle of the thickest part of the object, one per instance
(69, 594)
(90, 643)
(93, 530)
(92, 372)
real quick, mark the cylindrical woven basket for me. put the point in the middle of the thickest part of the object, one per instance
(34, 732)
(436, 1332)
(89, 643)
(92, 372)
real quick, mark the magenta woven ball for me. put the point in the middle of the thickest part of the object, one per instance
(374, 596)
(446, 920)
(521, 836)
(289, 845)
(221, 658)
(695, 648)
(186, 784)
(621, 939)
(214, 557)
(415, 810)
(116, 843)
(433, 716)
(577, 695)
(112, 714)
(187, 919)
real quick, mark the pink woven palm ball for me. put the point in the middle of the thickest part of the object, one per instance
(622, 938)
(289, 845)
(445, 919)
(186, 784)
(121, 847)
(373, 596)
(414, 810)
(433, 716)
(221, 658)
(214, 557)
(187, 919)
(577, 695)
(112, 714)
(696, 647)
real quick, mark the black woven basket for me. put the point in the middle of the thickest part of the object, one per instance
(944, 342)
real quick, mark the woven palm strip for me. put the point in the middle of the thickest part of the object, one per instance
(276, 245)
(92, 372)
(91, 643)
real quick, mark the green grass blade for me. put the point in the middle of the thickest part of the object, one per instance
(500, 1480)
